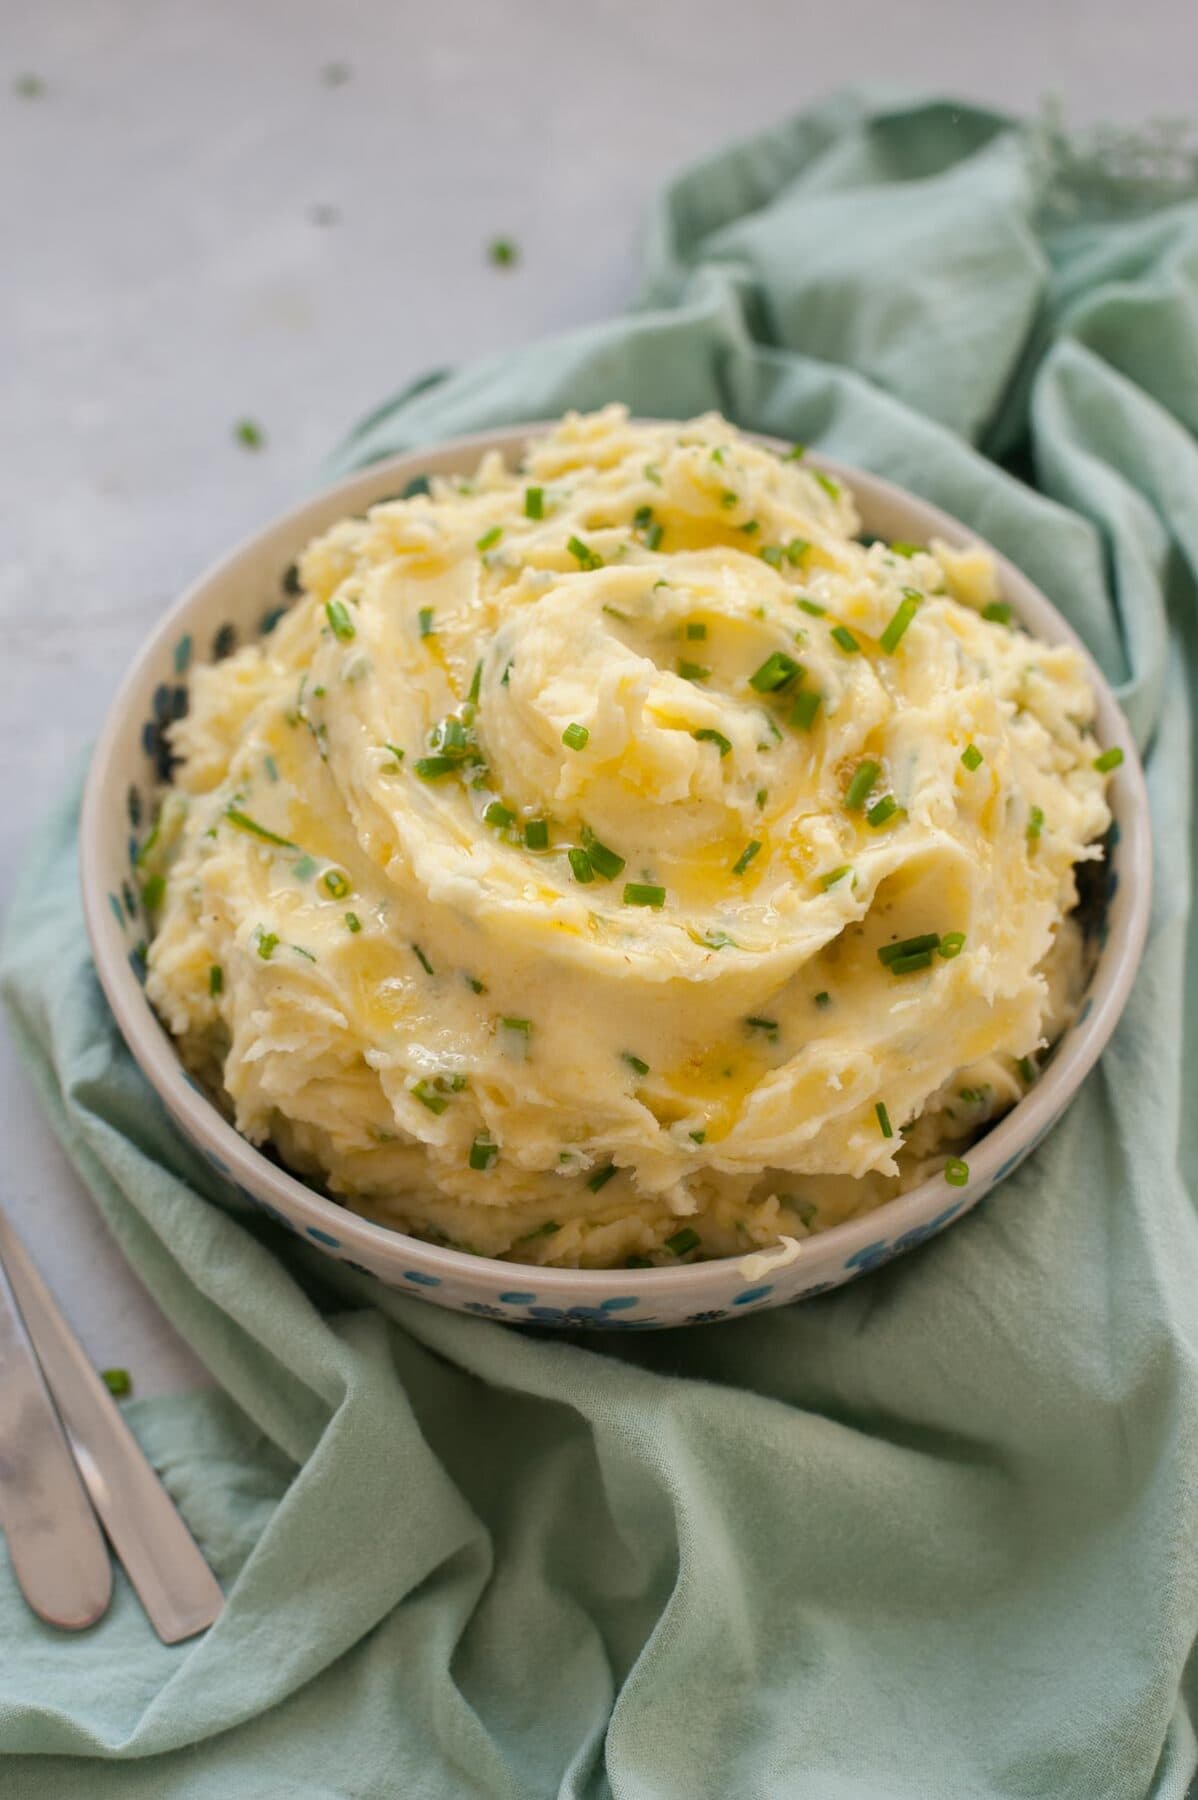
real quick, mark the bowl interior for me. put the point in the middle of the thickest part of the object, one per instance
(235, 602)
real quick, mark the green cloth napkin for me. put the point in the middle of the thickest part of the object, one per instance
(931, 1536)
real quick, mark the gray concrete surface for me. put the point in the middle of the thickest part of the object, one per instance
(204, 219)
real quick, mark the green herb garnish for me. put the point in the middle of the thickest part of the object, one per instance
(534, 503)
(503, 253)
(337, 883)
(243, 822)
(956, 1172)
(337, 614)
(484, 1153)
(1110, 759)
(117, 1381)
(887, 1129)
(834, 875)
(881, 811)
(429, 1094)
(859, 788)
(267, 943)
(751, 849)
(776, 672)
(952, 944)
(489, 539)
(844, 637)
(583, 554)
(683, 1242)
(813, 607)
(972, 757)
(580, 864)
(1035, 823)
(889, 954)
(604, 861)
(575, 737)
(601, 1177)
(249, 435)
(216, 980)
(908, 606)
(692, 671)
(643, 893)
(696, 630)
(802, 713)
(635, 1063)
(352, 922)
(706, 735)
(422, 959)
(536, 834)
(826, 482)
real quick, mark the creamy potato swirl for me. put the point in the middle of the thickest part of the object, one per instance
(616, 859)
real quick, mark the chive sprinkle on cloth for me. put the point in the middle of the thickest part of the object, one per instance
(931, 1537)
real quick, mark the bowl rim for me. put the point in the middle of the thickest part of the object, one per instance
(1014, 1136)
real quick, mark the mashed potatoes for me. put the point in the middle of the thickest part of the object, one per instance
(617, 860)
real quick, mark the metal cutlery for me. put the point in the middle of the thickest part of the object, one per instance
(173, 1582)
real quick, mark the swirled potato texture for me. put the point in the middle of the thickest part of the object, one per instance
(618, 859)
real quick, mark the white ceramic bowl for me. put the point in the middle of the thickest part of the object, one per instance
(231, 604)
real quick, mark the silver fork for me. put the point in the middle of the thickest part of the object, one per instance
(57, 1550)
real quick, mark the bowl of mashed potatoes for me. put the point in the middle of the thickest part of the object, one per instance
(615, 872)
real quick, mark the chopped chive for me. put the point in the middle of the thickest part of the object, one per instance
(636, 1063)
(826, 482)
(823, 999)
(773, 731)
(906, 611)
(1027, 1069)
(522, 1026)
(422, 959)
(575, 736)
(715, 940)
(337, 883)
(756, 1023)
(426, 622)
(499, 814)
(776, 672)
(1035, 823)
(683, 1242)
(583, 554)
(652, 473)
(352, 922)
(267, 943)
(642, 518)
(952, 944)
(484, 1152)
(909, 965)
(503, 252)
(654, 536)
(887, 1129)
(476, 682)
(696, 630)
(395, 750)
(834, 875)
(601, 1177)
(972, 757)
(605, 862)
(750, 526)
(489, 539)
(643, 893)
(1110, 759)
(117, 1381)
(505, 677)
(431, 768)
(536, 834)
(860, 786)
(707, 735)
(692, 671)
(728, 498)
(813, 607)
(300, 951)
(243, 822)
(802, 713)
(892, 953)
(903, 549)
(845, 639)
(475, 985)
(762, 796)
(956, 1172)
(534, 503)
(250, 435)
(152, 891)
(337, 614)
(216, 980)
(796, 453)
(999, 612)
(881, 811)
(796, 550)
(430, 1095)
(697, 1137)
(751, 849)
(772, 554)
(545, 1230)
(580, 864)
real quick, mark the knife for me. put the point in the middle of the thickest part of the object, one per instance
(180, 1594)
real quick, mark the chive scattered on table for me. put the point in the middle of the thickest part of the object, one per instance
(117, 1381)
